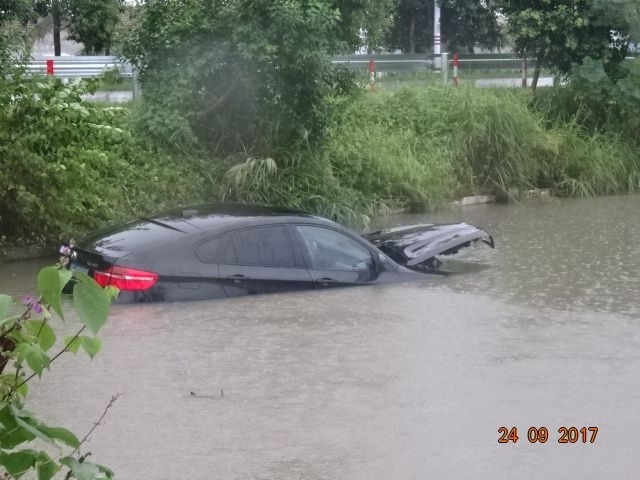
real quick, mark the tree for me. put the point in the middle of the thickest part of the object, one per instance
(464, 24)
(412, 29)
(467, 24)
(93, 22)
(623, 13)
(366, 21)
(561, 33)
(240, 76)
(14, 10)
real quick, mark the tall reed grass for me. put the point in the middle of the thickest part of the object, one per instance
(426, 145)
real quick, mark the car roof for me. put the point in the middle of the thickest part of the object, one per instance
(143, 233)
(212, 217)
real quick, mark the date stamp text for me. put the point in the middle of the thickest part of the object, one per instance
(541, 435)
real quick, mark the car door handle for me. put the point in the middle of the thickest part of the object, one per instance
(237, 278)
(326, 281)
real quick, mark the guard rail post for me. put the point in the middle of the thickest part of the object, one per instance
(372, 75)
(445, 68)
(134, 79)
(524, 71)
(456, 63)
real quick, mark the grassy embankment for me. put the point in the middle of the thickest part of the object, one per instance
(385, 150)
(425, 146)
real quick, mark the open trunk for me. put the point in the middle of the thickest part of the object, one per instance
(417, 246)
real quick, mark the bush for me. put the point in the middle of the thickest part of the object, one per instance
(69, 166)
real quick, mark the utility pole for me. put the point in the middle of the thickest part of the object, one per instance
(55, 14)
(437, 60)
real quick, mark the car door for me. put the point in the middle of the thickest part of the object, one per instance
(262, 260)
(335, 258)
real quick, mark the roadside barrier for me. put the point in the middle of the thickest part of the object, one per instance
(372, 75)
(79, 66)
(456, 63)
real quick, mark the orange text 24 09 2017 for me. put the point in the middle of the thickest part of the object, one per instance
(541, 435)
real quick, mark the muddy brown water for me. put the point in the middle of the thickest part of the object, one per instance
(406, 381)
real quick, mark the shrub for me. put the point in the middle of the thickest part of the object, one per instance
(68, 165)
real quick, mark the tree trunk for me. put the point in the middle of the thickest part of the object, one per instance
(412, 29)
(538, 67)
(55, 13)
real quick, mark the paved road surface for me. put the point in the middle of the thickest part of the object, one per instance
(512, 82)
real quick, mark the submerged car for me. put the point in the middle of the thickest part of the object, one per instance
(218, 251)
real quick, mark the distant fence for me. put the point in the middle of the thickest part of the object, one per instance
(403, 63)
(490, 61)
(91, 66)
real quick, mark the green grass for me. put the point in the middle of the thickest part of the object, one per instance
(422, 146)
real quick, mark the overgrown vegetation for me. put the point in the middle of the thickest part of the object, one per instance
(27, 342)
(423, 146)
(69, 166)
(242, 103)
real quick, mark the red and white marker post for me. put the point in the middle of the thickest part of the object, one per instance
(456, 64)
(49, 67)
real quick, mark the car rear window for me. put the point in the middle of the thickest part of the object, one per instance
(134, 236)
(265, 246)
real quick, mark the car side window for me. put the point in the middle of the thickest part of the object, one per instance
(333, 250)
(209, 250)
(264, 246)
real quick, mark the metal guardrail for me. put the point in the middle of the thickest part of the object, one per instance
(492, 63)
(92, 66)
(79, 66)
(386, 62)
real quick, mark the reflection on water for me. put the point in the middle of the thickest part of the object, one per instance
(406, 381)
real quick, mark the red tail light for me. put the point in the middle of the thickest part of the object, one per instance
(126, 278)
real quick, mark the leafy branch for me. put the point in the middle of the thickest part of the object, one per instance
(27, 339)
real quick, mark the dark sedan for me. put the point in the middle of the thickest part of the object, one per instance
(229, 250)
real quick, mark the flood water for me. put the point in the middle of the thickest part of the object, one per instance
(406, 381)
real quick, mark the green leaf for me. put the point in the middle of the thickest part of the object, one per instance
(91, 302)
(6, 303)
(23, 389)
(62, 434)
(81, 470)
(46, 467)
(5, 321)
(26, 421)
(112, 292)
(51, 281)
(18, 463)
(91, 345)
(35, 357)
(72, 343)
(42, 332)
(12, 434)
